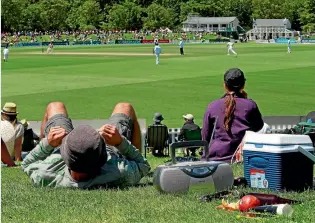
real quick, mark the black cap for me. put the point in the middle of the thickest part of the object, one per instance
(84, 150)
(158, 117)
(234, 79)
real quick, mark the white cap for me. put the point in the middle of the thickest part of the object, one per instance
(189, 117)
(285, 209)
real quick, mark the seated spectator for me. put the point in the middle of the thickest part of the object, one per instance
(9, 113)
(235, 115)
(158, 118)
(7, 143)
(160, 131)
(30, 138)
(88, 158)
(189, 125)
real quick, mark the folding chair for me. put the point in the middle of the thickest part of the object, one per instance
(157, 139)
(192, 135)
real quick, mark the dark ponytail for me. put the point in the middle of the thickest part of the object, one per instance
(230, 106)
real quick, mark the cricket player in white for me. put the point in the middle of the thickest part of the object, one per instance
(157, 51)
(181, 47)
(6, 54)
(289, 46)
(230, 48)
(50, 47)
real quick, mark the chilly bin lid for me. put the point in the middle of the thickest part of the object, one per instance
(276, 143)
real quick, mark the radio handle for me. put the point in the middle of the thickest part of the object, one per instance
(194, 143)
(186, 144)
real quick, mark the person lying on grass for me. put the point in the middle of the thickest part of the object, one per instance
(85, 157)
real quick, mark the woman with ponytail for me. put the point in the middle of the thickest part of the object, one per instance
(233, 114)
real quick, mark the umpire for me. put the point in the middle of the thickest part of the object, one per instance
(181, 46)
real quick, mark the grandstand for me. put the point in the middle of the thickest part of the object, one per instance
(226, 26)
(264, 29)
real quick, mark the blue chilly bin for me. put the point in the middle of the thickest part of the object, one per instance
(273, 161)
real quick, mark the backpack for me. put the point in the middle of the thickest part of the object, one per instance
(303, 128)
(30, 140)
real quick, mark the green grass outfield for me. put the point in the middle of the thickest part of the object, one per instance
(90, 86)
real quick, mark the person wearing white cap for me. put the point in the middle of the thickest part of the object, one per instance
(189, 125)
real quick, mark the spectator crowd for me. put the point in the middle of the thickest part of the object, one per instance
(100, 35)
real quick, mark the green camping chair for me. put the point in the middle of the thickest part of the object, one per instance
(192, 135)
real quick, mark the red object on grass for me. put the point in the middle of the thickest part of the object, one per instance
(247, 202)
(268, 199)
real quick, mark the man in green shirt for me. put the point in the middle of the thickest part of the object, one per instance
(83, 157)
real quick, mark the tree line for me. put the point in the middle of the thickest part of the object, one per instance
(146, 14)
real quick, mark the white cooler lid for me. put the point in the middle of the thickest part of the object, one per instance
(276, 143)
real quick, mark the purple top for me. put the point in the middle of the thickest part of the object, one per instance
(246, 117)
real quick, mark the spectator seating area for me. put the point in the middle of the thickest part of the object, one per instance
(101, 35)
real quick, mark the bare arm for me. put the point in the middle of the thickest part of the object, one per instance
(135, 164)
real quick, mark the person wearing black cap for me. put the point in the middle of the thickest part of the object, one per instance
(158, 118)
(88, 157)
(160, 130)
(235, 114)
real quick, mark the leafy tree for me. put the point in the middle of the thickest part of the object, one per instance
(307, 15)
(142, 3)
(12, 14)
(152, 14)
(32, 17)
(125, 16)
(54, 14)
(268, 9)
(206, 8)
(90, 14)
(158, 16)
(242, 9)
(172, 4)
